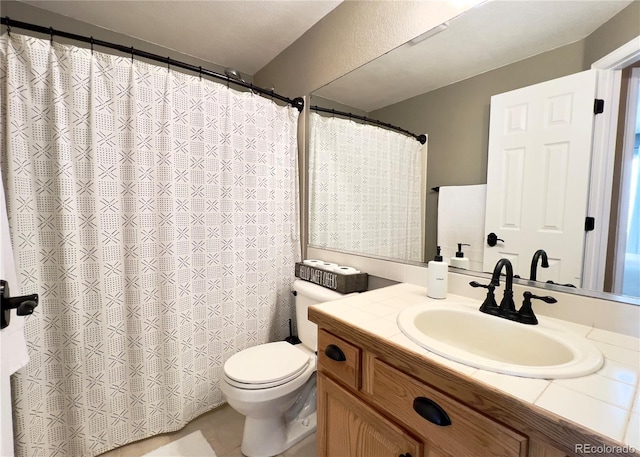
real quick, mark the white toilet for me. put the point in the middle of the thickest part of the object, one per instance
(274, 384)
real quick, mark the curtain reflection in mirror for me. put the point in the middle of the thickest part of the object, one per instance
(366, 187)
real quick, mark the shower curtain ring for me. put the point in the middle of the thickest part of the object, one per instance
(8, 26)
(91, 42)
(200, 71)
(51, 35)
(132, 52)
(169, 63)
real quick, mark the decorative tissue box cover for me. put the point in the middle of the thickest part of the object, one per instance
(343, 283)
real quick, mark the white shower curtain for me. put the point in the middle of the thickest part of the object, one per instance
(365, 189)
(156, 215)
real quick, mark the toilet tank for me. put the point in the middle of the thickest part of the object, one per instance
(310, 294)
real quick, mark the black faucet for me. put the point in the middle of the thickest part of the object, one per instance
(507, 306)
(534, 263)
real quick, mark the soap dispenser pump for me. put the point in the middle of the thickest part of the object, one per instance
(438, 272)
(460, 261)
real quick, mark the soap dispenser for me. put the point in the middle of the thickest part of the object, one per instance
(460, 261)
(438, 272)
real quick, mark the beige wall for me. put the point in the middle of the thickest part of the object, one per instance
(314, 100)
(351, 35)
(621, 29)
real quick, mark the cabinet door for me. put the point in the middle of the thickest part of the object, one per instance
(349, 428)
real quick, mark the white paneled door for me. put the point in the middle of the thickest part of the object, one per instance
(538, 175)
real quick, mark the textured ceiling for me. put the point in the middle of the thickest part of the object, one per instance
(245, 35)
(483, 38)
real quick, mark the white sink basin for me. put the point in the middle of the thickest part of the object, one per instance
(489, 342)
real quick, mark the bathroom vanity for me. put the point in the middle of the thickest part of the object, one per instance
(380, 394)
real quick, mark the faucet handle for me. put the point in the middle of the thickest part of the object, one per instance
(525, 314)
(489, 305)
(486, 286)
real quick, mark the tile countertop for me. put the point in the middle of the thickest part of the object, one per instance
(607, 401)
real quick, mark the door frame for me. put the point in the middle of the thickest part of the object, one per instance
(602, 159)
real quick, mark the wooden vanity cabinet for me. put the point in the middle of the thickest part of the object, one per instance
(368, 408)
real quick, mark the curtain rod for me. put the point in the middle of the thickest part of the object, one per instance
(297, 102)
(421, 138)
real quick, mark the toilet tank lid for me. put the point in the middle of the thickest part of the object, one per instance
(315, 292)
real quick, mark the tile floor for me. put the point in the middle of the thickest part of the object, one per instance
(222, 427)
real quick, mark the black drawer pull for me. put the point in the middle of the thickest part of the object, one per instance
(334, 353)
(431, 411)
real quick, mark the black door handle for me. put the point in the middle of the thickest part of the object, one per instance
(431, 411)
(23, 305)
(492, 239)
(334, 353)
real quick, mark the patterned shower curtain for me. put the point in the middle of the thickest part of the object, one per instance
(156, 215)
(365, 189)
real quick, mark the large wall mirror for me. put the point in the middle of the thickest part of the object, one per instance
(441, 84)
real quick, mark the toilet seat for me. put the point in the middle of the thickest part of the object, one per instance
(266, 365)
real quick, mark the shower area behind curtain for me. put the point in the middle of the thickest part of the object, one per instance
(365, 189)
(156, 215)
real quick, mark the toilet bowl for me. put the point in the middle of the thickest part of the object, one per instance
(266, 429)
(274, 384)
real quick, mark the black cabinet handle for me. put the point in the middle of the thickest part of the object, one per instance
(431, 411)
(334, 353)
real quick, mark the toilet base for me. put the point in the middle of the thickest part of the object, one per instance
(272, 436)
